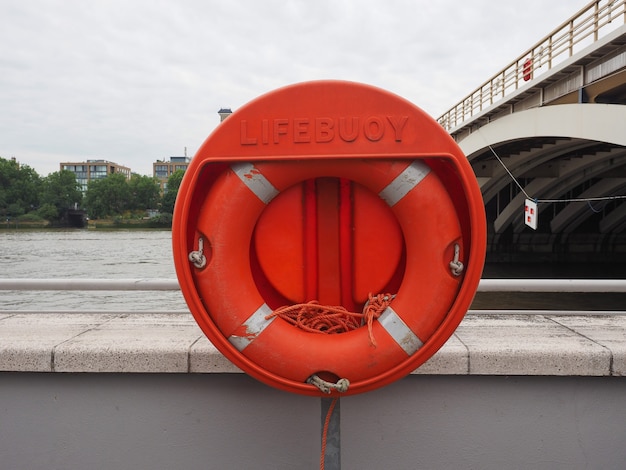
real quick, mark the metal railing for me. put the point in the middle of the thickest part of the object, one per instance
(558, 286)
(590, 24)
(485, 285)
(90, 284)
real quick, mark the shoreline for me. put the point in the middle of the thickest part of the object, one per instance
(100, 224)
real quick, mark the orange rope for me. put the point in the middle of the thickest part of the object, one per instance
(325, 431)
(317, 318)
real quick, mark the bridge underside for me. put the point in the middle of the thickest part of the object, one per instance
(571, 158)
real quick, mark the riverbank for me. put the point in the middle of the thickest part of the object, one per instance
(151, 223)
(100, 224)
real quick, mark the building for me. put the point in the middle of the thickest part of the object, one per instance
(94, 169)
(224, 113)
(163, 169)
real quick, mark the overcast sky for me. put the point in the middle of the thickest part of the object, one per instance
(133, 81)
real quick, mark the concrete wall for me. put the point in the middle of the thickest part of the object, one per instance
(230, 421)
(149, 391)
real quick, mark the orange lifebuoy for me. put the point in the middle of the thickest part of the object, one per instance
(290, 356)
(528, 69)
(226, 234)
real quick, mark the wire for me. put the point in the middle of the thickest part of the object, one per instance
(510, 174)
(588, 200)
(593, 209)
(582, 199)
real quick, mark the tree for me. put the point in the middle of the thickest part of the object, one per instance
(171, 191)
(19, 188)
(144, 192)
(108, 196)
(60, 192)
(49, 212)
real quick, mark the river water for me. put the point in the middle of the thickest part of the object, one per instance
(88, 254)
(147, 254)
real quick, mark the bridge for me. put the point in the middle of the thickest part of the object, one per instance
(550, 128)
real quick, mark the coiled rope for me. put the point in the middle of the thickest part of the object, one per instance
(324, 319)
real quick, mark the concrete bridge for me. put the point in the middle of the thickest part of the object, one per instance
(551, 127)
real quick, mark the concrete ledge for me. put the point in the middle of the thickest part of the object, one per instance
(535, 345)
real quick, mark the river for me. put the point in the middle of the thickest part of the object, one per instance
(147, 254)
(88, 254)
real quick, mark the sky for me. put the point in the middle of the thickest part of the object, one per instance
(136, 81)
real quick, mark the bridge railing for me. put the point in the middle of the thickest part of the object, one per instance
(587, 26)
(485, 285)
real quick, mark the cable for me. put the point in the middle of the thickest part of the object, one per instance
(510, 174)
(588, 200)
(582, 199)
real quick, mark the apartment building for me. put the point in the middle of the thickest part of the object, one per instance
(163, 169)
(94, 169)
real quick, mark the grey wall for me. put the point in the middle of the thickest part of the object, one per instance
(224, 421)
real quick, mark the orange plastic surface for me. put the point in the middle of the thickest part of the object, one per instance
(327, 148)
(328, 239)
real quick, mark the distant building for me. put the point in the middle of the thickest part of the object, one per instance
(93, 170)
(162, 169)
(224, 113)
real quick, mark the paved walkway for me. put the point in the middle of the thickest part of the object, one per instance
(541, 345)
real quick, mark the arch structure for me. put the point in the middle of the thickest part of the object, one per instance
(571, 159)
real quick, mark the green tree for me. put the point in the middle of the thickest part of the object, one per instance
(171, 191)
(144, 192)
(108, 196)
(19, 188)
(49, 212)
(60, 192)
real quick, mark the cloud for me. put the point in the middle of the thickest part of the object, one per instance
(133, 82)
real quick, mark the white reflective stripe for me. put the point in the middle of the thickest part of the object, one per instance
(254, 327)
(404, 182)
(255, 181)
(399, 331)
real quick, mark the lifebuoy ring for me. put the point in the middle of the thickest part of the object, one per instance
(285, 356)
(343, 152)
(528, 69)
